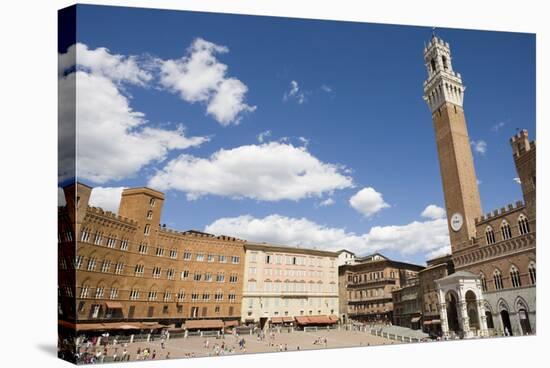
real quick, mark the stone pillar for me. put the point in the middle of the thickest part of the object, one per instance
(464, 319)
(443, 317)
(482, 319)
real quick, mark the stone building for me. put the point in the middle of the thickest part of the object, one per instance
(407, 305)
(436, 268)
(366, 287)
(283, 283)
(128, 268)
(493, 290)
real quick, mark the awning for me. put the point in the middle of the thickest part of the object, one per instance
(231, 323)
(436, 321)
(151, 325)
(66, 324)
(91, 327)
(302, 320)
(114, 305)
(276, 320)
(288, 319)
(196, 324)
(107, 326)
(333, 317)
(321, 320)
(415, 319)
(426, 323)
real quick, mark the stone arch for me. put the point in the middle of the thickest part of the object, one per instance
(520, 303)
(503, 305)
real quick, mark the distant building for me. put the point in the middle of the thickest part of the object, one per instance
(282, 284)
(366, 287)
(407, 305)
(129, 272)
(436, 268)
(346, 257)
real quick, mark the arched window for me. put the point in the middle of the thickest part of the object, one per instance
(523, 224)
(506, 230)
(497, 278)
(533, 273)
(444, 59)
(514, 276)
(433, 65)
(483, 282)
(489, 235)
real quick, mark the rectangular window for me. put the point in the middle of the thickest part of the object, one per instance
(167, 296)
(208, 276)
(134, 294)
(98, 238)
(187, 255)
(220, 277)
(156, 272)
(84, 292)
(111, 241)
(184, 274)
(235, 259)
(119, 268)
(194, 296)
(124, 244)
(268, 259)
(206, 296)
(114, 293)
(233, 278)
(152, 296)
(78, 262)
(138, 271)
(91, 264)
(197, 276)
(173, 253)
(146, 229)
(222, 258)
(181, 296)
(200, 257)
(170, 273)
(143, 248)
(232, 298)
(160, 252)
(105, 266)
(210, 258)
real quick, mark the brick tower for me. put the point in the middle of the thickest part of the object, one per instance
(444, 93)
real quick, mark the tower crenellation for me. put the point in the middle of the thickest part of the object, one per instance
(443, 83)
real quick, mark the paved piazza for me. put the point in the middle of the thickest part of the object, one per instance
(196, 346)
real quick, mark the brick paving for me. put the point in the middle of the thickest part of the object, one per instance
(195, 346)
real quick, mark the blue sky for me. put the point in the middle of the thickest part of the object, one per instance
(345, 96)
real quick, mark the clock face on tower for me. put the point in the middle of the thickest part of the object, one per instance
(456, 221)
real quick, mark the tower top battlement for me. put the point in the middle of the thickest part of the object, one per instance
(520, 143)
(443, 83)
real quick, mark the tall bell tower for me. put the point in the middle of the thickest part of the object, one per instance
(444, 94)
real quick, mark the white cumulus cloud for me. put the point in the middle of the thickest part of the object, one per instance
(295, 93)
(108, 198)
(113, 140)
(368, 201)
(264, 135)
(327, 202)
(270, 172)
(200, 77)
(102, 62)
(480, 146)
(415, 237)
(434, 212)
(517, 180)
